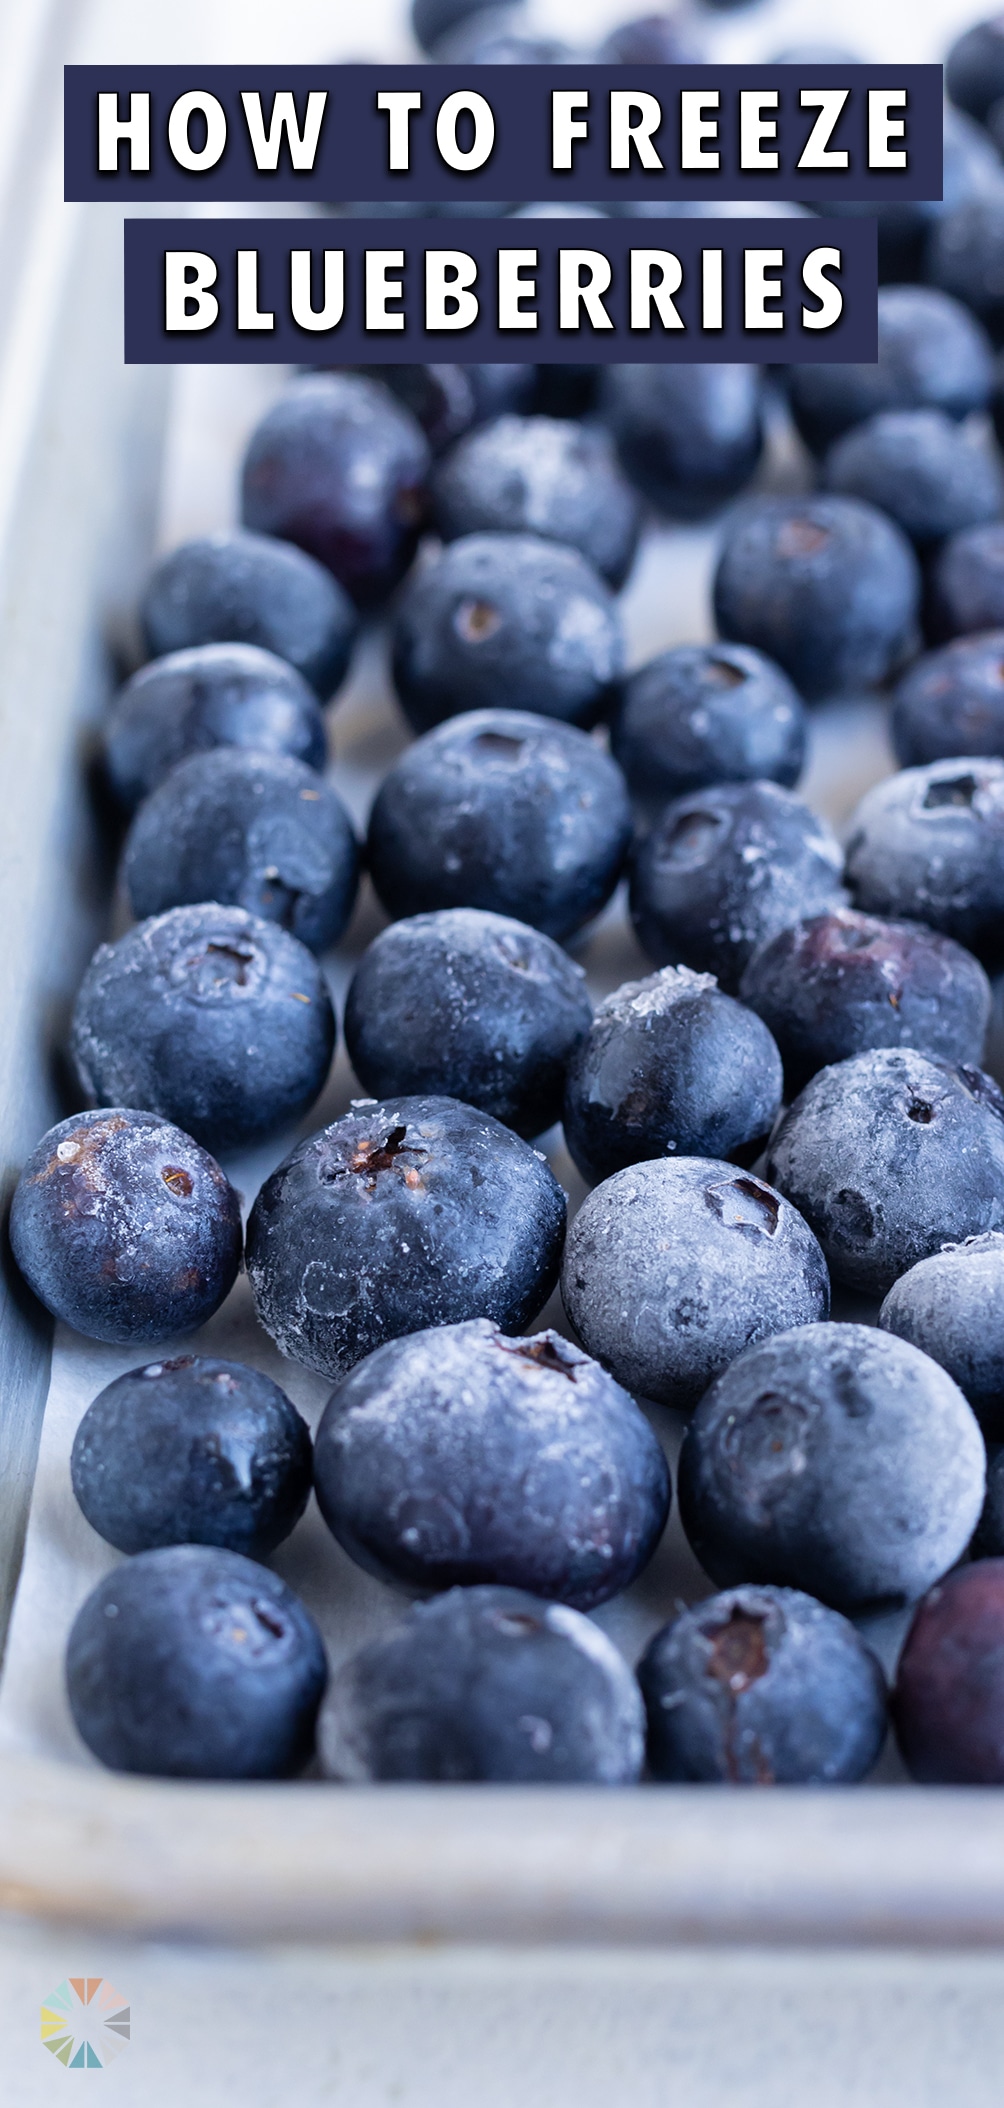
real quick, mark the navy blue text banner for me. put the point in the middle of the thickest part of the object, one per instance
(344, 291)
(504, 134)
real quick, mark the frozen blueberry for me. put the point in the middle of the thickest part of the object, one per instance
(241, 588)
(125, 1228)
(673, 1266)
(965, 256)
(464, 1004)
(931, 475)
(192, 1451)
(195, 1663)
(458, 1455)
(707, 713)
(441, 397)
(967, 582)
(255, 831)
(948, 1703)
(546, 476)
(951, 702)
(215, 695)
(688, 436)
(338, 466)
(932, 354)
(725, 869)
(432, 19)
(487, 1684)
(827, 586)
(501, 810)
(988, 1543)
(929, 844)
(889, 1156)
(970, 167)
(837, 984)
(506, 621)
(833, 1459)
(952, 1307)
(762, 1687)
(651, 40)
(413, 1212)
(670, 1066)
(974, 68)
(207, 1016)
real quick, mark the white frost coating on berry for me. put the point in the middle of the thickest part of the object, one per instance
(653, 996)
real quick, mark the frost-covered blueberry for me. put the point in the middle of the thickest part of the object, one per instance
(707, 713)
(670, 1067)
(724, 869)
(546, 476)
(967, 582)
(215, 695)
(674, 1266)
(464, 1004)
(688, 436)
(951, 1305)
(406, 1213)
(827, 586)
(457, 1455)
(506, 621)
(124, 1227)
(948, 1703)
(833, 1459)
(974, 68)
(208, 1016)
(433, 19)
(338, 466)
(192, 1451)
(837, 984)
(964, 253)
(241, 588)
(486, 1684)
(951, 702)
(932, 354)
(762, 1687)
(505, 811)
(931, 475)
(196, 1663)
(255, 831)
(929, 844)
(889, 1156)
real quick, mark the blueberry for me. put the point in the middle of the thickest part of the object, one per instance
(207, 1016)
(988, 1543)
(256, 831)
(216, 695)
(125, 1228)
(546, 476)
(932, 355)
(501, 810)
(837, 984)
(967, 582)
(651, 40)
(727, 868)
(192, 1451)
(932, 476)
(458, 1455)
(194, 1663)
(827, 586)
(948, 1703)
(889, 1156)
(487, 1684)
(688, 436)
(965, 255)
(506, 621)
(970, 167)
(833, 1459)
(464, 1004)
(432, 19)
(929, 844)
(413, 1212)
(673, 1266)
(952, 1307)
(240, 588)
(441, 397)
(491, 40)
(762, 1687)
(951, 702)
(974, 68)
(707, 713)
(338, 466)
(670, 1066)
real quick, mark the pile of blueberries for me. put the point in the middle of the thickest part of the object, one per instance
(792, 1097)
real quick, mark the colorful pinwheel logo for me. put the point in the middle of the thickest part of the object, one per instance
(85, 2023)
